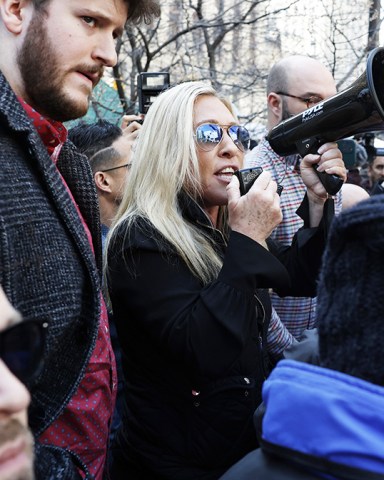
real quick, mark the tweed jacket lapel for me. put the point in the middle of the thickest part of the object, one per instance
(77, 172)
(81, 187)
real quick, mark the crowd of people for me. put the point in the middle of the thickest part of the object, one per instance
(155, 323)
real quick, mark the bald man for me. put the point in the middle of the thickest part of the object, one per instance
(294, 84)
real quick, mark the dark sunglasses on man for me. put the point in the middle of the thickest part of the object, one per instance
(209, 135)
(22, 348)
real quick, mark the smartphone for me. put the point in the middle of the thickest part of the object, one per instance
(149, 86)
(247, 177)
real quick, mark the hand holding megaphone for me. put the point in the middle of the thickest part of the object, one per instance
(358, 109)
(328, 163)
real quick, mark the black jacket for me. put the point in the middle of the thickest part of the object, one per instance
(259, 465)
(192, 356)
(47, 267)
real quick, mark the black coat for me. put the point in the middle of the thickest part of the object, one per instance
(259, 465)
(47, 267)
(192, 356)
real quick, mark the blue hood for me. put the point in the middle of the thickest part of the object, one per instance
(326, 414)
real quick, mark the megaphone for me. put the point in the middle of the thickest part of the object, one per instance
(358, 109)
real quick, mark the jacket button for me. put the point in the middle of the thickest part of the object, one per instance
(246, 393)
(246, 380)
(196, 404)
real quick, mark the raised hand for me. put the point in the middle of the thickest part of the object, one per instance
(257, 213)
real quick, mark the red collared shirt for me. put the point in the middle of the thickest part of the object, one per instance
(83, 427)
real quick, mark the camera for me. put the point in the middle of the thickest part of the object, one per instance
(348, 150)
(149, 86)
(247, 177)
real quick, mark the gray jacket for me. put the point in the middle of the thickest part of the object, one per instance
(47, 267)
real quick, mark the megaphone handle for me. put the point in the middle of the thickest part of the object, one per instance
(331, 183)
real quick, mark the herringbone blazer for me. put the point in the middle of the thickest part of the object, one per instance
(47, 267)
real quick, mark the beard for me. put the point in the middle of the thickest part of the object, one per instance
(43, 78)
(10, 431)
(285, 113)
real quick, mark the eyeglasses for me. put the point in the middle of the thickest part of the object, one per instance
(310, 101)
(209, 135)
(22, 347)
(126, 165)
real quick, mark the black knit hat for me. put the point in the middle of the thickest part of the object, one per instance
(350, 294)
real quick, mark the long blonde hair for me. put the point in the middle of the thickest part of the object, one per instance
(165, 163)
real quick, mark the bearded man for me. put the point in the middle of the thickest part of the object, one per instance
(294, 84)
(52, 54)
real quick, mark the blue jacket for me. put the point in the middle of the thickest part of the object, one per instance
(318, 423)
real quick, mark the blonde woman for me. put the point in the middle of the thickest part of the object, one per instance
(188, 267)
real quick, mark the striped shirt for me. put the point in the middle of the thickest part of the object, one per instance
(291, 315)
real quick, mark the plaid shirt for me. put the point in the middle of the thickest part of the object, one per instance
(291, 315)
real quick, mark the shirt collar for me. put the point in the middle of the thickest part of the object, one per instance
(52, 132)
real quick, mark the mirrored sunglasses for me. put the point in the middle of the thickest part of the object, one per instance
(22, 348)
(209, 135)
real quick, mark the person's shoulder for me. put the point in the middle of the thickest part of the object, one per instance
(138, 234)
(137, 229)
(247, 467)
(70, 148)
(264, 466)
(12, 114)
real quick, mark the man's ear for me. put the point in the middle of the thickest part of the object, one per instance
(16, 14)
(275, 105)
(102, 181)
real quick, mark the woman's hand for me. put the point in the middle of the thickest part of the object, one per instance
(257, 213)
(330, 160)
